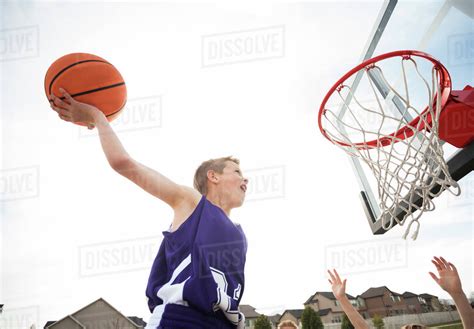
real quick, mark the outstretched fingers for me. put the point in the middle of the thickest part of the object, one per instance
(333, 277)
(438, 263)
(453, 268)
(434, 277)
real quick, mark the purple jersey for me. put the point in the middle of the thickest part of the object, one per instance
(197, 278)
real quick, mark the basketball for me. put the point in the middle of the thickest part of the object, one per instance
(88, 79)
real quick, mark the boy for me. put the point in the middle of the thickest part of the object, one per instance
(197, 278)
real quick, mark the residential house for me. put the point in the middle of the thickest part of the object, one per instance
(384, 302)
(97, 315)
(326, 304)
(250, 315)
(432, 302)
(415, 303)
(274, 319)
(290, 319)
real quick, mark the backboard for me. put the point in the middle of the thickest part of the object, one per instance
(444, 29)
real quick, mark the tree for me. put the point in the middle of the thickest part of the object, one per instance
(346, 323)
(310, 319)
(378, 321)
(262, 322)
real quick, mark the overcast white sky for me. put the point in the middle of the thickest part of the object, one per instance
(72, 230)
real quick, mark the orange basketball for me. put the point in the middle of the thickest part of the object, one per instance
(88, 79)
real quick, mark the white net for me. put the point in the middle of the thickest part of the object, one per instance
(404, 153)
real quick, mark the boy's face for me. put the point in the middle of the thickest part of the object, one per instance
(233, 184)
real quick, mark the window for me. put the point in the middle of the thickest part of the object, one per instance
(395, 298)
(336, 303)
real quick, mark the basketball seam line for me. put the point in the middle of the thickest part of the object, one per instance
(95, 90)
(68, 67)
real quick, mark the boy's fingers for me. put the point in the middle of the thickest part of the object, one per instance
(66, 95)
(54, 108)
(64, 112)
(59, 102)
(65, 118)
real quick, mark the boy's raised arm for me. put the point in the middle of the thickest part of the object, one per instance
(148, 179)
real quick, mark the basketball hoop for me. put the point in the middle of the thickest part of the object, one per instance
(399, 133)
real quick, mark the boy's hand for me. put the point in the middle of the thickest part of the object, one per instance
(73, 111)
(338, 286)
(448, 276)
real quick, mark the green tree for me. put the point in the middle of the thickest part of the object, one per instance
(310, 319)
(378, 321)
(346, 323)
(262, 322)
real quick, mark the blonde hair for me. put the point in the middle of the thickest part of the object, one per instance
(217, 165)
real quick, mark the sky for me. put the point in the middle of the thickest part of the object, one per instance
(72, 230)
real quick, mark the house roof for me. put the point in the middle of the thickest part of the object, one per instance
(428, 296)
(108, 304)
(296, 313)
(408, 294)
(72, 316)
(377, 291)
(274, 318)
(327, 294)
(137, 320)
(248, 311)
(324, 311)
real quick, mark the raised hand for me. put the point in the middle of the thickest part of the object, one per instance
(448, 276)
(73, 111)
(338, 286)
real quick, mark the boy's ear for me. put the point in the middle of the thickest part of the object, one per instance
(212, 176)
